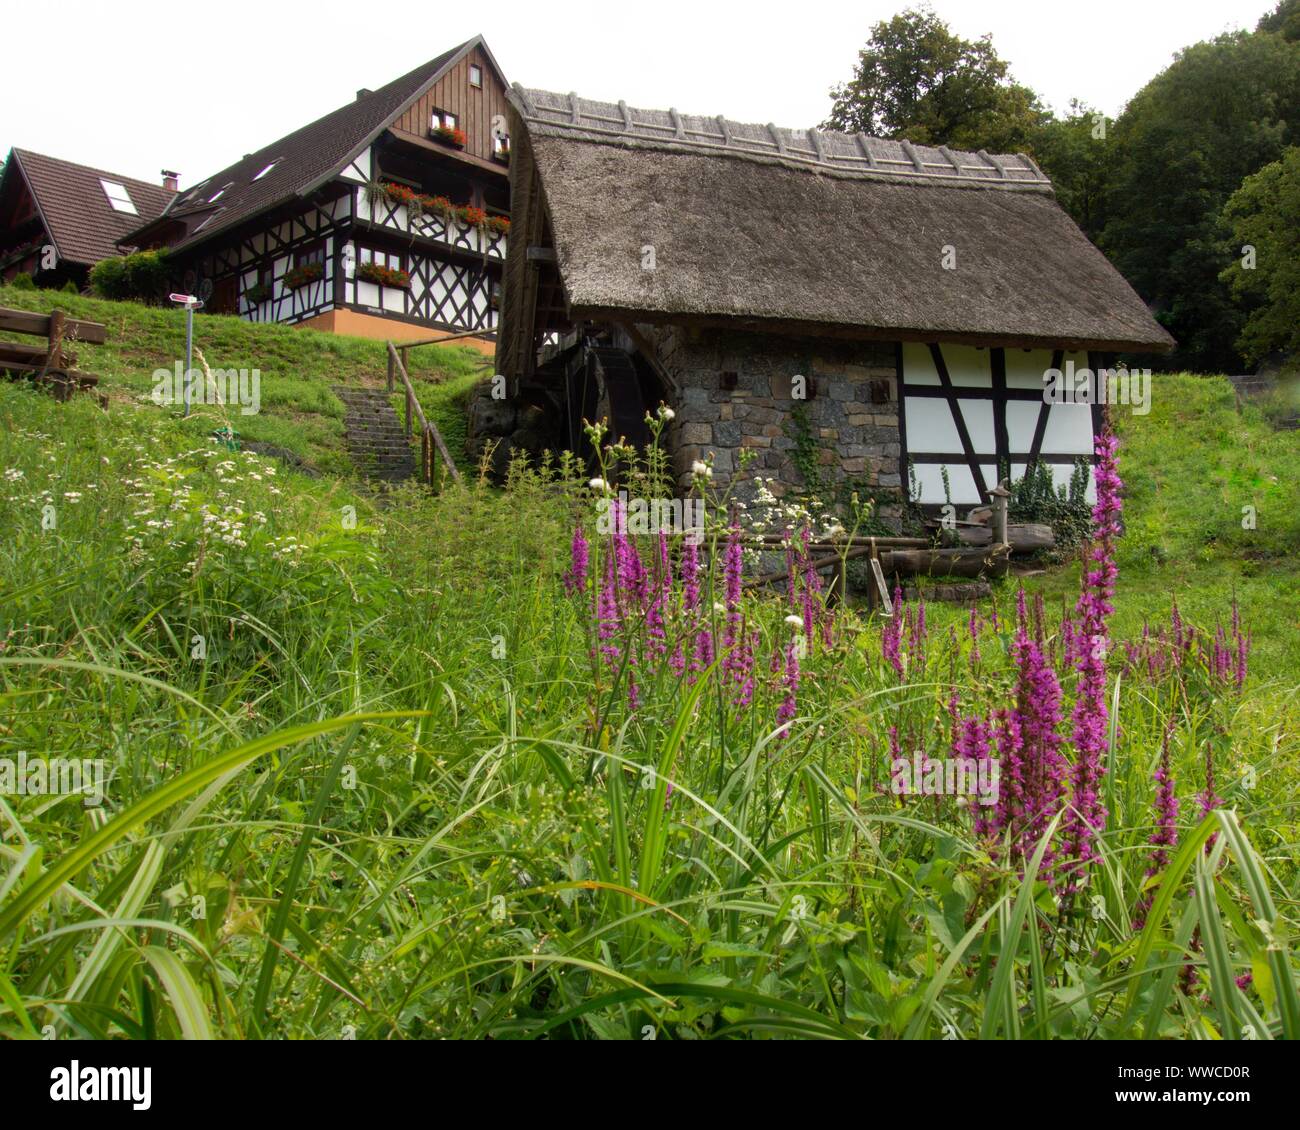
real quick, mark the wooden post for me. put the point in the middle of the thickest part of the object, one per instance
(409, 398)
(390, 371)
(999, 495)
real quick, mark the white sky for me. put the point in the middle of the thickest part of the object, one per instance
(108, 89)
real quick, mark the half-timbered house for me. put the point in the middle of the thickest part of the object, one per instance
(58, 219)
(885, 308)
(386, 218)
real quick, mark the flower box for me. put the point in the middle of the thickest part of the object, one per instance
(301, 276)
(449, 135)
(498, 225)
(259, 293)
(383, 276)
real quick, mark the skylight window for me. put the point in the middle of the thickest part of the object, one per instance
(266, 170)
(217, 195)
(118, 197)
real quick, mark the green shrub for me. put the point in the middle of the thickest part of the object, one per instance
(1035, 498)
(23, 282)
(140, 277)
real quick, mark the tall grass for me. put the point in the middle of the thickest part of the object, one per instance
(398, 797)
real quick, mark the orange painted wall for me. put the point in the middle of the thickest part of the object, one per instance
(355, 324)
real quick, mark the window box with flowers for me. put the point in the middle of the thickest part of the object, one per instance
(383, 276)
(449, 135)
(259, 293)
(300, 276)
(498, 225)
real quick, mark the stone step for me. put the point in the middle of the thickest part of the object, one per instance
(375, 437)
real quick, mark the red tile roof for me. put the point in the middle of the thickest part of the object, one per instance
(84, 226)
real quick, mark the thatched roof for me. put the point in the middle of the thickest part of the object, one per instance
(808, 231)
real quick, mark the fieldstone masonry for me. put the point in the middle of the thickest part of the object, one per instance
(851, 406)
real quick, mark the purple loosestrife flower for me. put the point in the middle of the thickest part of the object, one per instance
(732, 571)
(890, 636)
(691, 577)
(1036, 769)
(1087, 815)
(790, 703)
(607, 616)
(1166, 833)
(971, 743)
(916, 637)
(576, 578)
(1209, 800)
(702, 657)
(677, 661)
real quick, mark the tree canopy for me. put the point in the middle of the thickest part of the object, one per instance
(915, 79)
(1151, 188)
(1264, 218)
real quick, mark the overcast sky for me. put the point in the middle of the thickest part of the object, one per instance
(135, 86)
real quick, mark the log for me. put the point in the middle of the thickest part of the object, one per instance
(975, 535)
(1026, 537)
(993, 562)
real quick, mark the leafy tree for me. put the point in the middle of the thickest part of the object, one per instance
(1284, 19)
(1220, 112)
(1076, 151)
(915, 79)
(1264, 216)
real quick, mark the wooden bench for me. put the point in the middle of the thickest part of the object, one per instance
(52, 364)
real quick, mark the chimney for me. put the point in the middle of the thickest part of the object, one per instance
(171, 180)
(363, 92)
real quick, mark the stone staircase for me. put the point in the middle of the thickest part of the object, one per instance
(374, 435)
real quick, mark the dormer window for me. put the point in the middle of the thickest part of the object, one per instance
(266, 170)
(475, 75)
(118, 197)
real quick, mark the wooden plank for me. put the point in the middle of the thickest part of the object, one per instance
(25, 322)
(959, 419)
(18, 351)
(886, 601)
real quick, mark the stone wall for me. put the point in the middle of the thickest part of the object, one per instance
(850, 404)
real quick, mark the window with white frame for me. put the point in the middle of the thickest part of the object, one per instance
(118, 197)
(475, 75)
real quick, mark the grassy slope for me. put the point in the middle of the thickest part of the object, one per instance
(460, 807)
(298, 367)
(1189, 467)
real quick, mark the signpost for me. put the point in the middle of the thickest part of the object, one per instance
(191, 303)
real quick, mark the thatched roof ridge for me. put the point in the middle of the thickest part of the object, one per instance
(827, 151)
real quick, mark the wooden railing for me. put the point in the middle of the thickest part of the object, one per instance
(50, 364)
(430, 437)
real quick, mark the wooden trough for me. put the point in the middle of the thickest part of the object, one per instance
(50, 364)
